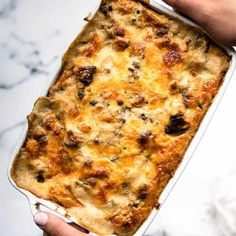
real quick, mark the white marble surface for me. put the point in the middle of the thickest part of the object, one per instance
(33, 36)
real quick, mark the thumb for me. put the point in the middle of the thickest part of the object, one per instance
(54, 226)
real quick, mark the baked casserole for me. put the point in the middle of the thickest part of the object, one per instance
(130, 96)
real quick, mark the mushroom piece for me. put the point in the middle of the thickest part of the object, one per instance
(85, 74)
(177, 125)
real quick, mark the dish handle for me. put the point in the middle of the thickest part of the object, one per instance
(34, 207)
(37, 206)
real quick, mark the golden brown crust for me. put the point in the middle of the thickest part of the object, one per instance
(133, 89)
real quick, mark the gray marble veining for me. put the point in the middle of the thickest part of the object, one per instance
(33, 36)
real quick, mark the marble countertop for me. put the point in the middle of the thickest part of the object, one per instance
(33, 36)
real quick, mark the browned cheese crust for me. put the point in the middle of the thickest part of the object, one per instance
(132, 91)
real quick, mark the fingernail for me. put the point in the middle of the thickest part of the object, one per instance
(41, 218)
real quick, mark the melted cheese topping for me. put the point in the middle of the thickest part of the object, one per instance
(133, 89)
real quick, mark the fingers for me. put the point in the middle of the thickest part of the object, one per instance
(183, 4)
(170, 2)
(55, 226)
(188, 7)
(198, 10)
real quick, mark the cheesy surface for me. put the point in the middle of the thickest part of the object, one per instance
(133, 89)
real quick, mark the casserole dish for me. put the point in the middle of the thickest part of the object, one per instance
(85, 77)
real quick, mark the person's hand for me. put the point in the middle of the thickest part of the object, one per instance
(218, 18)
(55, 226)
